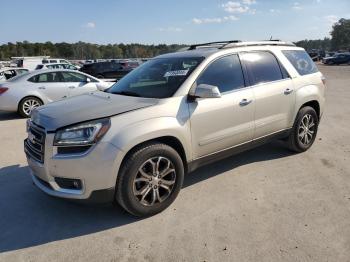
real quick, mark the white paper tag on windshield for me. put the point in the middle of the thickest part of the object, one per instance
(176, 73)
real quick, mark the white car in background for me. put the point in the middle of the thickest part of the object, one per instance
(57, 66)
(55, 61)
(7, 73)
(25, 92)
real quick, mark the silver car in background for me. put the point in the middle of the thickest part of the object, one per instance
(25, 92)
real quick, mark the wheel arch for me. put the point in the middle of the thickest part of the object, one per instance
(310, 95)
(314, 104)
(171, 141)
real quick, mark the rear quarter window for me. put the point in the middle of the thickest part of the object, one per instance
(301, 61)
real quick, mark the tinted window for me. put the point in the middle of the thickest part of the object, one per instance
(116, 66)
(73, 77)
(301, 61)
(262, 67)
(39, 67)
(225, 73)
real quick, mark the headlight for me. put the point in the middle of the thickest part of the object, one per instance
(82, 134)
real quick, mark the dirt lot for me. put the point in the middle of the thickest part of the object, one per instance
(263, 205)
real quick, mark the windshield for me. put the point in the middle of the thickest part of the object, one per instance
(157, 78)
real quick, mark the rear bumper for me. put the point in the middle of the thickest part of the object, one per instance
(8, 103)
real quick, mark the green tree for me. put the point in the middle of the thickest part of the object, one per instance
(341, 35)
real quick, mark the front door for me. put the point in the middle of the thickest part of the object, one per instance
(78, 83)
(221, 123)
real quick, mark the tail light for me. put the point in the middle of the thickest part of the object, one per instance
(3, 90)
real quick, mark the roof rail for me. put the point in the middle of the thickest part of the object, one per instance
(211, 44)
(259, 43)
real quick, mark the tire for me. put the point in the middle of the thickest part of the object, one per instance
(27, 104)
(302, 138)
(99, 76)
(132, 184)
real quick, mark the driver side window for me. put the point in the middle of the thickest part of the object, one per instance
(225, 73)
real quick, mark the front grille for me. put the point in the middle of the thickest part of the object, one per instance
(34, 145)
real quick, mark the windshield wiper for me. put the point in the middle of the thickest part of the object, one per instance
(126, 93)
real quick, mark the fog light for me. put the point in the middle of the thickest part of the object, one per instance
(68, 183)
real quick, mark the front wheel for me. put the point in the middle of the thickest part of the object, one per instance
(304, 131)
(150, 179)
(27, 105)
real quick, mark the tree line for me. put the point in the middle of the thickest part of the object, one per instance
(82, 50)
(340, 40)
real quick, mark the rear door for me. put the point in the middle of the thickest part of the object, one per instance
(51, 85)
(273, 92)
(78, 83)
(220, 123)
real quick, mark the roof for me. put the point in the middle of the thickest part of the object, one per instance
(30, 57)
(41, 71)
(202, 52)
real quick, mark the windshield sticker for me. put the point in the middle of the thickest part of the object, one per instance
(176, 73)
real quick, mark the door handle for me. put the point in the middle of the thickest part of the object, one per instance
(72, 87)
(245, 102)
(288, 91)
(64, 96)
(41, 87)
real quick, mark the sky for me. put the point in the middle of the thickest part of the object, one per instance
(165, 21)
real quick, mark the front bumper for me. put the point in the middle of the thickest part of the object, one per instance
(97, 170)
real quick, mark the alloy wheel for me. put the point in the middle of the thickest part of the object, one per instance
(154, 181)
(307, 129)
(29, 105)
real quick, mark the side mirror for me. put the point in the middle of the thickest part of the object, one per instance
(206, 91)
(88, 80)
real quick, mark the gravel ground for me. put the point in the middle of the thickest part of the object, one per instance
(263, 205)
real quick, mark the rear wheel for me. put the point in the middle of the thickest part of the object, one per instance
(27, 105)
(304, 130)
(150, 179)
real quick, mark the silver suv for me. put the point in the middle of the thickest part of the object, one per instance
(135, 142)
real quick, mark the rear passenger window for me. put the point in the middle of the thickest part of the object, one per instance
(225, 73)
(301, 61)
(49, 77)
(262, 67)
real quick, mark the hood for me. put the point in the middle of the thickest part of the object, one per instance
(86, 107)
